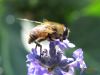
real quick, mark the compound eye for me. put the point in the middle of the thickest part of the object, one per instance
(66, 34)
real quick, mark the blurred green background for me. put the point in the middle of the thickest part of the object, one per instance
(81, 16)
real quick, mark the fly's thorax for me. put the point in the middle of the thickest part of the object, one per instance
(60, 29)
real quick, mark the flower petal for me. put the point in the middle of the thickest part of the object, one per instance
(64, 45)
(78, 54)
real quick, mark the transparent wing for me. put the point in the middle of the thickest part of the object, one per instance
(33, 22)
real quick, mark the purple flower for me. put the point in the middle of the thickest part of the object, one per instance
(79, 60)
(64, 45)
(55, 63)
(78, 55)
(34, 66)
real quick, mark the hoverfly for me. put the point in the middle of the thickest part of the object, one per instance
(47, 30)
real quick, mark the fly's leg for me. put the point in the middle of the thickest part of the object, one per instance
(61, 38)
(51, 37)
(37, 44)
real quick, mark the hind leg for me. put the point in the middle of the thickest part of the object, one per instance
(38, 44)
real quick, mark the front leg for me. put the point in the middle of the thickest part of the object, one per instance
(61, 38)
(51, 37)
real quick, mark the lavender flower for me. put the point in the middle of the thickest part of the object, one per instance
(34, 66)
(55, 63)
(79, 60)
(64, 45)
